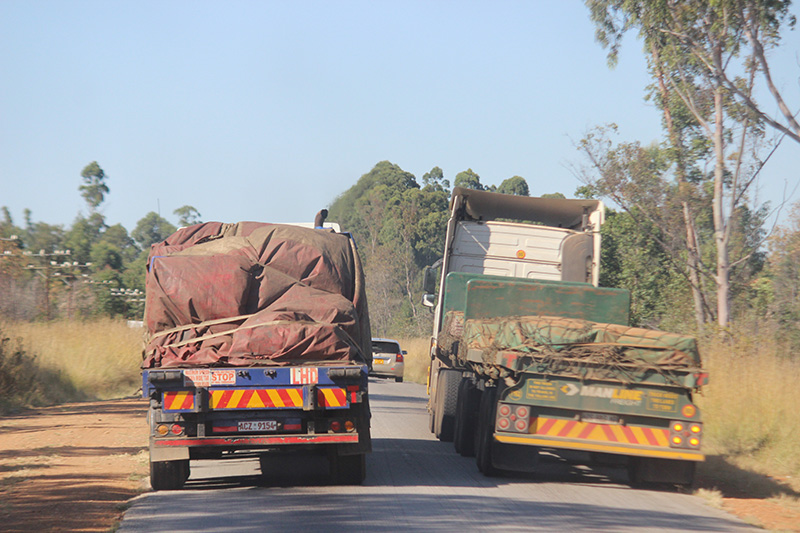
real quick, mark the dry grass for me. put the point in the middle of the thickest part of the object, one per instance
(750, 407)
(79, 360)
(417, 359)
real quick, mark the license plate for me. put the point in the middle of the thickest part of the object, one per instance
(600, 418)
(381, 361)
(258, 425)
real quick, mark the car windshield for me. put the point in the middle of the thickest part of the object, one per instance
(385, 347)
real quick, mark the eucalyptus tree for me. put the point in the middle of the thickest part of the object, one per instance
(697, 51)
(152, 228)
(514, 185)
(187, 215)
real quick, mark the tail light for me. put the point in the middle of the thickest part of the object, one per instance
(685, 434)
(398, 358)
(514, 418)
(340, 426)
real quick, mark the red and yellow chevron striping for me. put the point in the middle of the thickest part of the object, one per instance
(178, 401)
(573, 429)
(333, 397)
(256, 398)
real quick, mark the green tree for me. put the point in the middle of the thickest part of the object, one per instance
(187, 216)
(94, 188)
(117, 236)
(400, 229)
(84, 233)
(633, 259)
(781, 286)
(105, 255)
(469, 180)
(108, 301)
(514, 185)
(151, 229)
(435, 178)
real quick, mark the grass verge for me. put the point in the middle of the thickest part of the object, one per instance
(55, 362)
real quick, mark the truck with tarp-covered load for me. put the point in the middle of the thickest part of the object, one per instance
(529, 354)
(258, 343)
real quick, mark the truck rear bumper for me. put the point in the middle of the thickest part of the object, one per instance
(601, 447)
(346, 438)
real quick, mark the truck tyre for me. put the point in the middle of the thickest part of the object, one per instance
(485, 432)
(466, 418)
(398, 379)
(446, 401)
(169, 475)
(348, 469)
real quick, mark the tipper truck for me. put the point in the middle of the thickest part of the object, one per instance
(528, 354)
(258, 343)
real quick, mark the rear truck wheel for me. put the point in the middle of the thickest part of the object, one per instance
(169, 475)
(348, 469)
(398, 379)
(485, 433)
(465, 420)
(649, 470)
(445, 406)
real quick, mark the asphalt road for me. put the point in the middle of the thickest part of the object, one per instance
(416, 483)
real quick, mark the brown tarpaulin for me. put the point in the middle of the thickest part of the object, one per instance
(253, 293)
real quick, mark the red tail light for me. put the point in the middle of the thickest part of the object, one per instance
(513, 418)
(398, 358)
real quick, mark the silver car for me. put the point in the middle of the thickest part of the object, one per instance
(387, 359)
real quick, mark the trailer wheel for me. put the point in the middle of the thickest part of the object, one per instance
(445, 406)
(485, 433)
(169, 475)
(348, 469)
(466, 414)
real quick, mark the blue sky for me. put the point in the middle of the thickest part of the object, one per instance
(259, 110)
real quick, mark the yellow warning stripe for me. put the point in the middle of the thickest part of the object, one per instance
(333, 398)
(573, 429)
(256, 398)
(555, 442)
(180, 400)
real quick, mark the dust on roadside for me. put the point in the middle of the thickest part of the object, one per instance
(71, 467)
(74, 467)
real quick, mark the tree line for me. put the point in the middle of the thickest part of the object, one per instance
(686, 235)
(85, 270)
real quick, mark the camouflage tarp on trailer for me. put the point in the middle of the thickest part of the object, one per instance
(566, 346)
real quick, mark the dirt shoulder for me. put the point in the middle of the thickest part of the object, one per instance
(71, 467)
(74, 467)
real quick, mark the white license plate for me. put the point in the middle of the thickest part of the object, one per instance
(600, 418)
(258, 425)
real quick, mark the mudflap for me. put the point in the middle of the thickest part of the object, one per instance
(515, 458)
(644, 470)
(167, 453)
